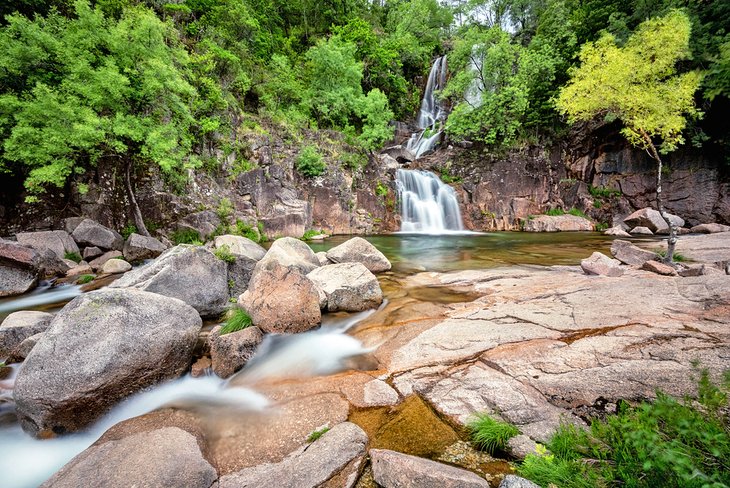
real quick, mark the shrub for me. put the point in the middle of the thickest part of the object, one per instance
(128, 231)
(308, 235)
(310, 162)
(244, 230)
(224, 254)
(317, 434)
(490, 434)
(186, 236)
(225, 209)
(555, 211)
(236, 319)
(676, 256)
(73, 256)
(83, 279)
(381, 190)
(603, 192)
(577, 213)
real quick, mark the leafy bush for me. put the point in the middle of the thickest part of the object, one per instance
(490, 434)
(381, 190)
(83, 279)
(236, 319)
(224, 254)
(186, 236)
(128, 231)
(666, 443)
(310, 162)
(308, 235)
(225, 209)
(577, 213)
(603, 192)
(73, 256)
(555, 211)
(676, 256)
(244, 230)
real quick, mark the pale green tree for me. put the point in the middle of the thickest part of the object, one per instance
(638, 84)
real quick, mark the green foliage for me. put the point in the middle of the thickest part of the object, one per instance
(245, 230)
(186, 236)
(637, 83)
(225, 209)
(317, 434)
(665, 443)
(447, 177)
(309, 234)
(376, 116)
(601, 192)
(381, 190)
(224, 254)
(662, 253)
(577, 213)
(354, 160)
(490, 434)
(128, 230)
(83, 279)
(73, 256)
(310, 163)
(236, 319)
(601, 226)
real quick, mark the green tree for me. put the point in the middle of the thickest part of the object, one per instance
(638, 84)
(80, 90)
(376, 116)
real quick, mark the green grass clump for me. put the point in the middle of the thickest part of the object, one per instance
(186, 236)
(224, 254)
(310, 162)
(667, 443)
(128, 231)
(554, 212)
(308, 235)
(317, 434)
(83, 279)
(236, 319)
(73, 256)
(679, 258)
(244, 230)
(603, 192)
(577, 213)
(381, 190)
(490, 434)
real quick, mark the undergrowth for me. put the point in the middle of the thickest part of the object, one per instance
(186, 236)
(224, 254)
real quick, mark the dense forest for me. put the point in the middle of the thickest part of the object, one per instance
(166, 84)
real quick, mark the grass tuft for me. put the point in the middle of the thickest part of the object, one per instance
(186, 236)
(224, 254)
(73, 256)
(236, 319)
(317, 434)
(83, 279)
(490, 434)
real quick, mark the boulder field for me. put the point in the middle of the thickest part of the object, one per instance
(535, 346)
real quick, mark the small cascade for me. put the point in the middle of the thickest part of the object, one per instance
(427, 204)
(432, 114)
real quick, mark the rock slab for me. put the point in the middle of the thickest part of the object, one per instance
(19, 268)
(58, 241)
(627, 253)
(241, 246)
(100, 348)
(358, 250)
(396, 470)
(558, 223)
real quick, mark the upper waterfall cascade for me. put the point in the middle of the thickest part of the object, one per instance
(427, 204)
(432, 113)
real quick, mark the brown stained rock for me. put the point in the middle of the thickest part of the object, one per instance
(628, 253)
(602, 265)
(659, 268)
(164, 457)
(312, 467)
(558, 223)
(358, 250)
(348, 287)
(231, 352)
(281, 300)
(394, 470)
(98, 263)
(80, 269)
(200, 366)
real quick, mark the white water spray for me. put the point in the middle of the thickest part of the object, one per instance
(427, 204)
(432, 113)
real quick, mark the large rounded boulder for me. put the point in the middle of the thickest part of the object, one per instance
(241, 246)
(189, 273)
(282, 300)
(290, 253)
(138, 247)
(358, 250)
(58, 241)
(349, 287)
(100, 348)
(91, 233)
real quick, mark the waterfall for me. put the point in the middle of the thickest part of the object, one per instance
(427, 204)
(431, 114)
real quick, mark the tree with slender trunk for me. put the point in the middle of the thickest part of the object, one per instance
(638, 84)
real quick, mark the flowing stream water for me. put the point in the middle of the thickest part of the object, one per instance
(432, 113)
(428, 206)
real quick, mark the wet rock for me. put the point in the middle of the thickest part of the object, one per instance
(322, 258)
(58, 241)
(116, 266)
(168, 457)
(91, 252)
(557, 223)
(627, 253)
(204, 223)
(139, 248)
(19, 268)
(600, 264)
(291, 253)
(18, 326)
(90, 233)
(659, 268)
(652, 219)
(189, 273)
(342, 448)
(710, 228)
(393, 470)
(21, 352)
(358, 250)
(617, 231)
(100, 348)
(281, 300)
(231, 352)
(641, 231)
(98, 263)
(349, 287)
(241, 246)
(512, 481)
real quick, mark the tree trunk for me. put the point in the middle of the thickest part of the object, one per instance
(136, 213)
(672, 241)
